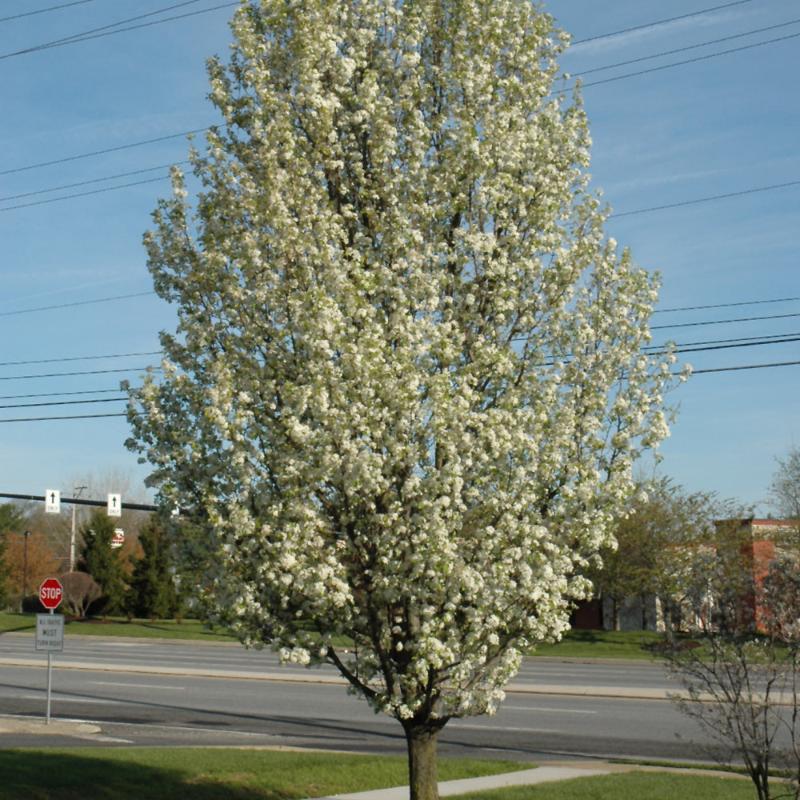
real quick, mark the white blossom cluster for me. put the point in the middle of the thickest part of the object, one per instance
(407, 385)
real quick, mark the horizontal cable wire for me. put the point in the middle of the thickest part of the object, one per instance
(74, 416)
(61, 188)
(85, 194)
(81, 372)
(721, 321)
(725, 305)
(66, 402)
(746, 366)
(686, 48)
(56, 394)
(78, 358)
(708, 199)
(103, 30)
(106, 150)
(695, 372)
(658, 22)
(75, 303)
(681, 63)
(45, 10)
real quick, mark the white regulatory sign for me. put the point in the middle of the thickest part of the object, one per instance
(115, 505)
(52, 501)
(50, 632)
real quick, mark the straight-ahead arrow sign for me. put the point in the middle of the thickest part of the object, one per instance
(115, 505)
(52, 501)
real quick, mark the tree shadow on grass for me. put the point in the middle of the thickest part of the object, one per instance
(27, 626)
(583, 636)
(39, 775)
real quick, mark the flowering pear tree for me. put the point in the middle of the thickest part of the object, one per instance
(407, 385)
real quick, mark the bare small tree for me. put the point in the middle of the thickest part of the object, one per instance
(741, 687)
(785, 488)
(80, 591)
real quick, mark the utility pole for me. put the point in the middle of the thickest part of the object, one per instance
(78, 491)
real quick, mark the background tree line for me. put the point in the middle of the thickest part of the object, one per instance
(136, 579)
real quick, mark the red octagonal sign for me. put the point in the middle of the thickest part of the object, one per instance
(51, 593)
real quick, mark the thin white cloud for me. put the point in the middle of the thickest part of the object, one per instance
(624, 40)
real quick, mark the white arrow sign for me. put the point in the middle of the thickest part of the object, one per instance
(52, 501)
(115, 505)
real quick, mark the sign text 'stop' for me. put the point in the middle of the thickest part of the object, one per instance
(51, 593)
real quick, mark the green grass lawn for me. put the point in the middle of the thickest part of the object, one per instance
(602, 644)
(576, 644)
(628, 786)
(120, 626)
(206, 773)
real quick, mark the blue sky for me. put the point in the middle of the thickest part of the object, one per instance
(720, 125)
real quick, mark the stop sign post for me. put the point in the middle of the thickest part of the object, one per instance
(51, 593)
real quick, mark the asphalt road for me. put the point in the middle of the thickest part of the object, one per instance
(165, 693)
(149, 709)
(212, 659)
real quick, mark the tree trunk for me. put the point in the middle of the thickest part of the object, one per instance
(667, 617)
(422, 773)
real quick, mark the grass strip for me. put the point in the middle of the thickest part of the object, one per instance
(208, 773)
(576, 644)
(637, 645)
(119, 626)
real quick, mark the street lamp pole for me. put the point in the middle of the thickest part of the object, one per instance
(77, 493)
(26, 534)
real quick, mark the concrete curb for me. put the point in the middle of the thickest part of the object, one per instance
(38, 726)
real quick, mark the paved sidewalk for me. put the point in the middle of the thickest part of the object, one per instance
(525, 777)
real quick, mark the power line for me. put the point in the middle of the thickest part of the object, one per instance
(746, 366)
(85, 194)
(74, 304)
(65, 402)
(105, 150)
(688, 347)
(82, 372)
(706, 348)
(92, 34)
(207, 128)
(679, 204)
(710, 198)
(687, 48)
(9, 197)
(199, 130)
(740, 341)
(743, 339)
(695, 372)
(167, 137)
(45, 10)
(658, 22)
(725, 305)
(682, 63)
(78, 358)
(721, 321)
(77, 36)
(56, 394)
(75, 416)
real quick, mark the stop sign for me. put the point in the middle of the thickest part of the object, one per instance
(51, 593)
